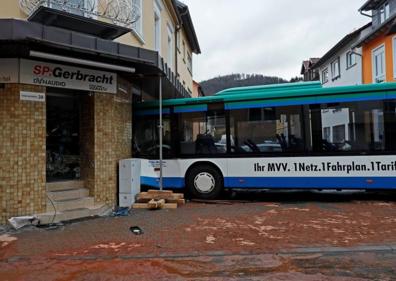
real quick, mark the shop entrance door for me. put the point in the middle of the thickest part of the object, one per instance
(63, 137)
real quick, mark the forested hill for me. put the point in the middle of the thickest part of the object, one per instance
(217, 84)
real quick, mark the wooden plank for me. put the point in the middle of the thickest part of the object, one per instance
(146, 206)
(181, 202)
(154, 191)
(154, 196)
(177, 201)
(146, 200)
(170, 206)
(178, 195)
(140, 206)
(146, 197)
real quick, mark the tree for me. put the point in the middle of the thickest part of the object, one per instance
(217, 84)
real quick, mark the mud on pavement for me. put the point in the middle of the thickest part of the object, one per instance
(206, 241)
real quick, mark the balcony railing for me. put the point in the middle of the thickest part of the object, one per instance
(120, 12)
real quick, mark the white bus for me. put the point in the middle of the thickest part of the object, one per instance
(288, 136)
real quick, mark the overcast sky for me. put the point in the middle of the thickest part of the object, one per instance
(269, 37)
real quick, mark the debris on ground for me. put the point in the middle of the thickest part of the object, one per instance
(156, 204)
(121, 212)
(159, 199)
(51, 226)
(136, 230)
(19, 222)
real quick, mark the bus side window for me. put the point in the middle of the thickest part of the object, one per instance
(348, 127)
(202, 133)
(266, 130)
(146, 140)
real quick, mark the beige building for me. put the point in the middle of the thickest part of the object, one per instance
(70, 74)
(164, 26)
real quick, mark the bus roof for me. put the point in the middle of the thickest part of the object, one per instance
(272, 87)
(269, 93)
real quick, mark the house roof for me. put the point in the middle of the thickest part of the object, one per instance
(307, 64)
(348, 39)
(188, 25)
(370, 5)
(387, 27)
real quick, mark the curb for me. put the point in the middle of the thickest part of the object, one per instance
(329, 250)
(295, 251)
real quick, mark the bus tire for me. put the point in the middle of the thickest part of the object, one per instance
(204, 182)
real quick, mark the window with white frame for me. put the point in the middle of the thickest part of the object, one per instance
(379, 70)
(384, 12)
(327, 134)
(178, 39)
(157, 26)
(335, 69)
(137, 25)
(184, 51)
(325, 76)
(171, 49)
(350, 59)
(189, 62)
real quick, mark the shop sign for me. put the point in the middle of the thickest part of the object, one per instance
(8, 70)
(32, 96)
(67, 77)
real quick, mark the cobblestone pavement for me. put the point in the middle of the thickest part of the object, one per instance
(271, 236)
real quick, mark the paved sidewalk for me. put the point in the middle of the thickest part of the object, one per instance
(191, 238)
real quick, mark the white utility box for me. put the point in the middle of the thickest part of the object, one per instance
(129, 181)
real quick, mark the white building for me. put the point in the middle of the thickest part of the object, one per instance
(342, 66)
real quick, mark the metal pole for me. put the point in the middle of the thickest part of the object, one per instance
(160, 132)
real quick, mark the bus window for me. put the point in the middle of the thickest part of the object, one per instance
(355, 127)
(390, 125)
(266, 130)
(146, 140)
(202, 133)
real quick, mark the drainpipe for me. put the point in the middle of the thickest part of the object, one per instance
(367, 15)
(356, 53)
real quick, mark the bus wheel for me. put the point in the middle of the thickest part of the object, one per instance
(204, 182)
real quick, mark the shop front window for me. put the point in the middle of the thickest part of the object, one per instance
(63, 138)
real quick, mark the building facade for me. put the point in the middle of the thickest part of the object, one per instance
(379, 45)
(197, 90)
(342, 65)
(70, 73)
(308, 71)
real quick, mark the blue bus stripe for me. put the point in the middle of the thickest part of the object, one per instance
(167, 182)
(287, 182)
(311, 182)
(191, 108)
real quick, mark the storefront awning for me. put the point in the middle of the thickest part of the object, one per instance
(19, 38)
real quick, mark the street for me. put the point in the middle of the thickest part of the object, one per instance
(251, 236)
